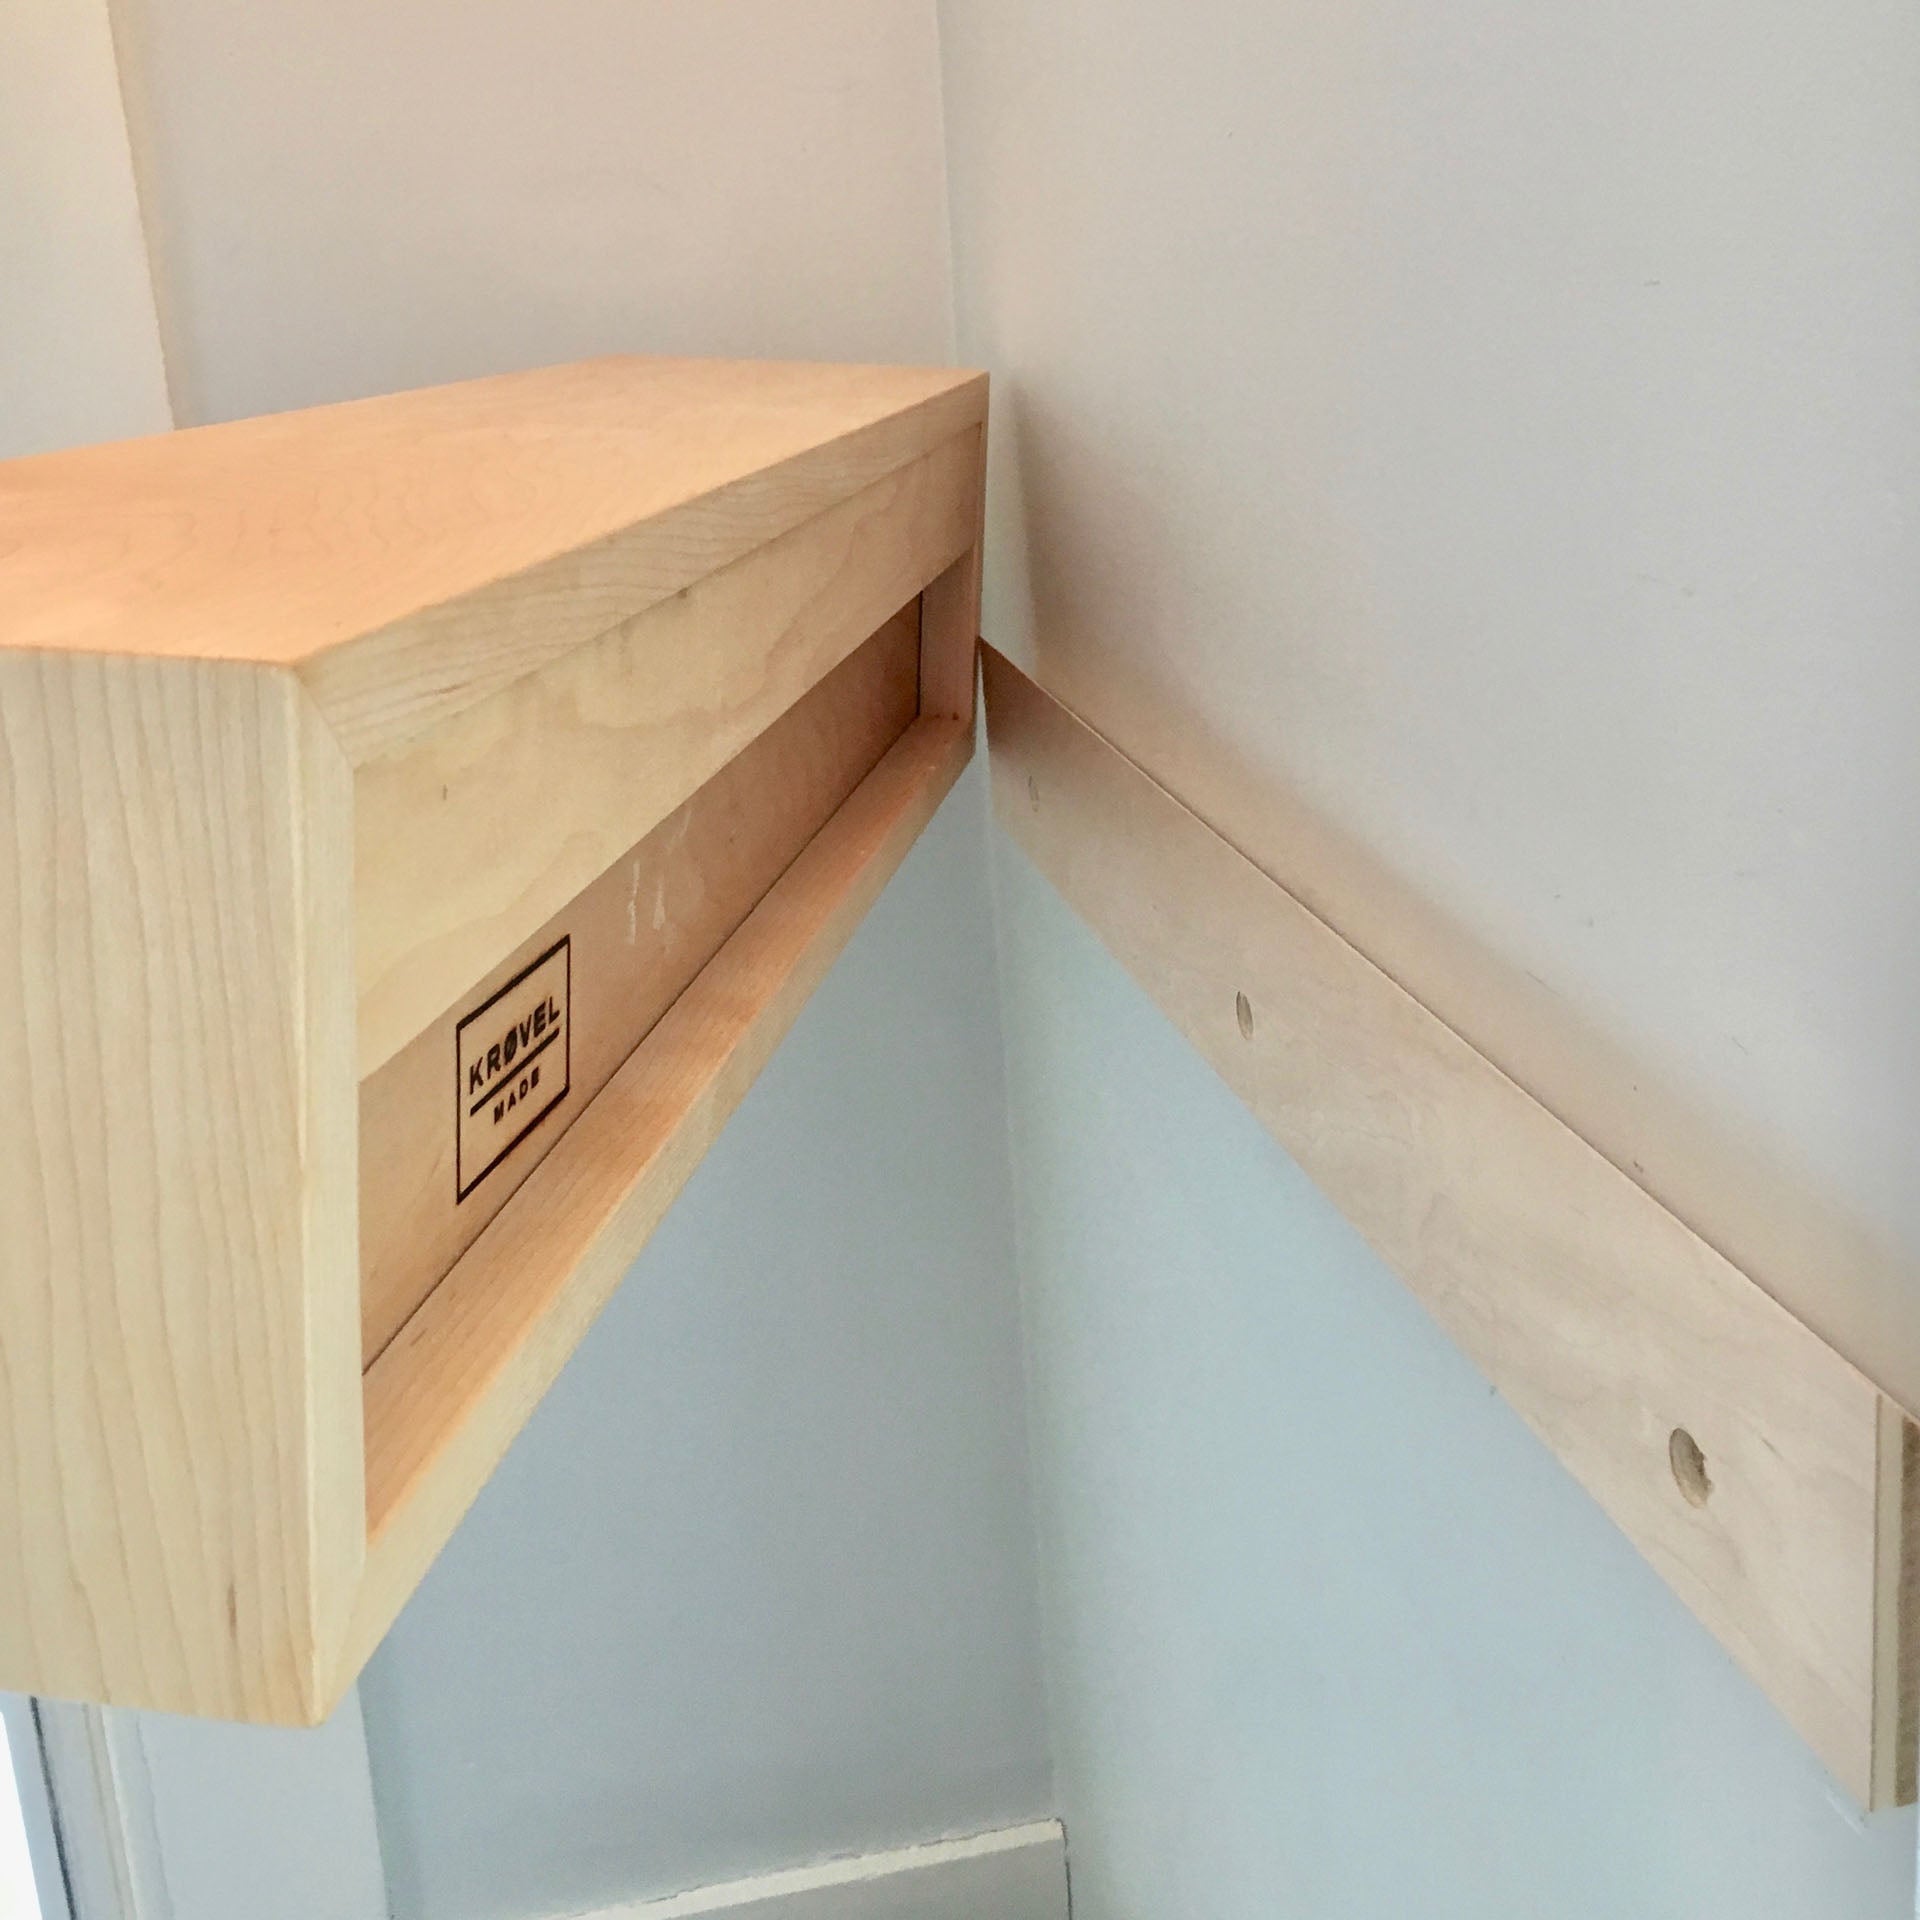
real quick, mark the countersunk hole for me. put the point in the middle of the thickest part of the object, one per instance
(1689, 1467)
(1243, 1012)
(1033, 793)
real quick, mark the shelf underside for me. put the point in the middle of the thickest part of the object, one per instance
(629, 943)
(449, 1390)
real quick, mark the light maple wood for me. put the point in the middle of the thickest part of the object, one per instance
(307, 725)
(1606, 1323)
(469, 837)
(457, 1383)
(413, 553)
(1744, 1191)
(181, 1495)
(1896, 1680)
(950, 629)
(639, 933)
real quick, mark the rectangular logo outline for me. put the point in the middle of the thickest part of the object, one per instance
(462, 1186)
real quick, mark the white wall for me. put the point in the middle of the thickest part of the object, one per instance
(79, 351)
(385, 193)
(1468, 449)
(1471, 449)
(1329, 1633)
(757, 1585)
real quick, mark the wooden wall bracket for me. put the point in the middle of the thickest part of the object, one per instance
(422, 819)
(1770, 1483)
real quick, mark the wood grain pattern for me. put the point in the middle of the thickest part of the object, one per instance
(471, 836)
(410, 554)
(1604, 1321)
(950, 628)
(1896, 1698)
(639, 934)
(181, 1492)
(448, 1395)
(307, 725)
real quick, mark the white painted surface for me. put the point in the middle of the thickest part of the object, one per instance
(79, 351)
(1470, 449)
(1014, 1873)
(1328, 1632)
(20, 1776)
(358, 198)
(756, 1584)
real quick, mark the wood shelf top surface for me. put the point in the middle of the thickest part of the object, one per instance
(277, 540)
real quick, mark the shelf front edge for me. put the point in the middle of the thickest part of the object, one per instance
(448, 1395)
(1616, 1333)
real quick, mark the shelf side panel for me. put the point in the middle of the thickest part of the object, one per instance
(181, 1490)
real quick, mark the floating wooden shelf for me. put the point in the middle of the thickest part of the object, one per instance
(422, 819)
(1769, 1482)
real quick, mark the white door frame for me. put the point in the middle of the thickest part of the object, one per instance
(30, 1773)
(160, 1818)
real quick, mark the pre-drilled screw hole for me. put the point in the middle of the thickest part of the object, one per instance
(1689, 1467)
(1243, 1012)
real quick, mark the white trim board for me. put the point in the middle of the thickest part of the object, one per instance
(172, 1819)
(1014, 1873)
